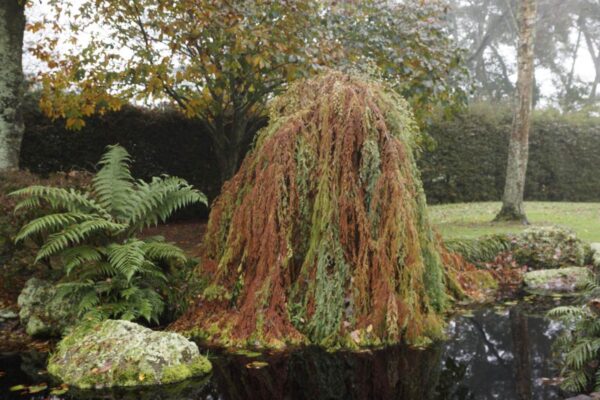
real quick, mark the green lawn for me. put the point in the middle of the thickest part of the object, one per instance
(473, 219)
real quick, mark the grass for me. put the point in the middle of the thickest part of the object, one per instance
(469, 220)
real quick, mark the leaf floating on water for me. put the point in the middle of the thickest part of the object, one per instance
(16, 388)
(257, 364)
(38, 388)
(62, 389)
(247, 353)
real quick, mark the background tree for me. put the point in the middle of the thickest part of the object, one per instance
(12, 26)
(488, 30)
(518, 147)
(220, 61)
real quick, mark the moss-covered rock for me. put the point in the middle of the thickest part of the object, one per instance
(595, 254)
(558, 280)
(42, 312)
(548, 247)
(121, 353)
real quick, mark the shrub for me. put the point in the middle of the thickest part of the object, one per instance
(548, 247)
(93, 234)
(480, 250)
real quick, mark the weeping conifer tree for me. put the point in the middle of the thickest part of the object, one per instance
(322, 236)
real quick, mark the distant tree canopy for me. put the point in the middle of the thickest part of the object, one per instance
(220, 61)
(568, 32)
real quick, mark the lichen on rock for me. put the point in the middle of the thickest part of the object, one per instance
(121, 353)
(557, 280)
(42, 313)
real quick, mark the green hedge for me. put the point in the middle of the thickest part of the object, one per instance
(469, 161)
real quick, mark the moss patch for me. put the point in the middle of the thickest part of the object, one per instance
(121, 353)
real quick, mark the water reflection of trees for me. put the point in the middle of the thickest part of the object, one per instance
(392, 373)
(505, 354)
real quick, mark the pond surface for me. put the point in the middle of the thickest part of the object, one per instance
(492, 353)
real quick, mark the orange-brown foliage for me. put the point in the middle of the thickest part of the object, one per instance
(323, 236)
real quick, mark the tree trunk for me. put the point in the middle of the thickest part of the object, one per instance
(518, 147)
(230, 152)
(12, 26)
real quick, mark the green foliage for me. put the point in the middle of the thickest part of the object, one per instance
(480, 250)
(175, 53)
(108, 270)
(579, 345)
(469, 162)
(17, 259)
(49, 147)
(548, 247)
(408, 45)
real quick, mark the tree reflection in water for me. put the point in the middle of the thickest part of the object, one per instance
(489, 355)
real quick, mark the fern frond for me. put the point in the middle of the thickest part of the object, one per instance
(77, 256)
(127, 258)
(75, 234)
(58, 199)
(156, 201)
(567, 311)
(51, 223)
(583, 352)
(575, 381)
(164, 251)
(113, 184)
(74, 290)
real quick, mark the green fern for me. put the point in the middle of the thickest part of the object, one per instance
(579, 345)
(108, 272)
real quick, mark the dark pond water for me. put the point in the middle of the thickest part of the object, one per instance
(492, 353)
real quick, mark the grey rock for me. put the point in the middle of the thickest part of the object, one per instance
(557, 280)
(41, 312)
(121, 353)
(6, 313)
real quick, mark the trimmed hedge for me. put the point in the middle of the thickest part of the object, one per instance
(469, 161)
(467, 165)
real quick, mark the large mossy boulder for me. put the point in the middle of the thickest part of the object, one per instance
(557, 280)
(323, 236)
(121, 353)
(548, 247)
(42, 313)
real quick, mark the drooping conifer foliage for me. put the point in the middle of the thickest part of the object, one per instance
(323, 236)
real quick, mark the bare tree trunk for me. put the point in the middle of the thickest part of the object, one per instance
(518, 147)
(12, 26)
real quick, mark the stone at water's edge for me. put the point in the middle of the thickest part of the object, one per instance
(41, 312)
(6, 314)
(558, 280)
(121, 353)
(595, 254)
